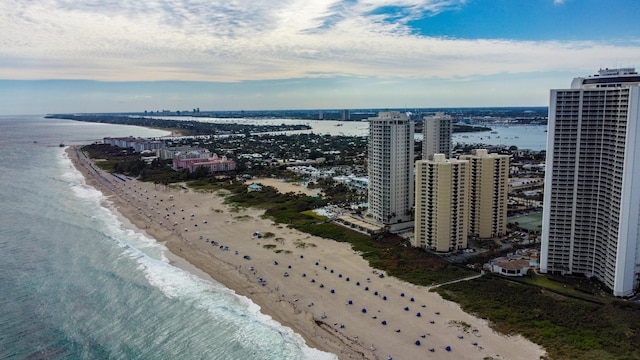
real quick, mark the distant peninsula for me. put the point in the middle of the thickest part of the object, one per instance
(184, 127)
(459, 128)
(194, 127)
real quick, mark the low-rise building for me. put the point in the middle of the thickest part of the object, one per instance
(138, 144)
(183, 152)
(511, 267)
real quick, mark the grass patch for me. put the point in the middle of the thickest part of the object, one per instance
(567, 327)
(269, 246)
(314, 215)
(531, 222)
(268, 235)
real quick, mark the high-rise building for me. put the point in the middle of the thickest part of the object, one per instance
(591, 217)
(488, 192)
(441, 205)
(391, 168)
(437, 131)
(346, 114)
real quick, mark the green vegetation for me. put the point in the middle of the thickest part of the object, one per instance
(303, 245)
(531, 222)
(185, 127)
(268, 234)
(461, 128)
(269, 246)
(567, 327)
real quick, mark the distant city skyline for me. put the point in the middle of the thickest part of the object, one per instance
(93, 56)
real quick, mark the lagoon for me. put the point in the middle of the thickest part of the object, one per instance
(532, 137)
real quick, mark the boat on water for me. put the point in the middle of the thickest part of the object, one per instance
(61, 144)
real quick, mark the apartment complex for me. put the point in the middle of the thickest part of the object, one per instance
(441, 205)
(591, 217)
(437, 131)
(390, 168)
(183, 152)
(488, 190)
(138, 144)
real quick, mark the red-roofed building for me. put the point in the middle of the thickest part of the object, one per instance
(214, 164)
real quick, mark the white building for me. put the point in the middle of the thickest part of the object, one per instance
(591, 219)
(138, 144)
(183, 152)
(391, 169)
(437, 131)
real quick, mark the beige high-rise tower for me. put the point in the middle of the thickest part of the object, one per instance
(488, 193)
(441, 206)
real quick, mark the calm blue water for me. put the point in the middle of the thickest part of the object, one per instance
(531, 137)
(76, 284)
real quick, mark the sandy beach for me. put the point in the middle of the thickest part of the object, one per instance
(320, 288)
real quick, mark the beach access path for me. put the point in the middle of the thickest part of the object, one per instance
(320, 288)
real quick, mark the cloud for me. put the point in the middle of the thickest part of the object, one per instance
(238, 40)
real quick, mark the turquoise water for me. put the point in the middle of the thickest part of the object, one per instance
(75, 283)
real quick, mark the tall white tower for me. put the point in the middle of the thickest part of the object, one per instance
(437, 131)
(591, 218)
(391, 168)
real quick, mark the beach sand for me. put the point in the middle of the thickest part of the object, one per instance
(285, 187)
(315, 286)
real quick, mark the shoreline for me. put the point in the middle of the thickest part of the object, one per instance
(317, 287)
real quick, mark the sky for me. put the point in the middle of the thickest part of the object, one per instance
(60, 56)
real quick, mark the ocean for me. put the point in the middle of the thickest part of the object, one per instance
(76, 283)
